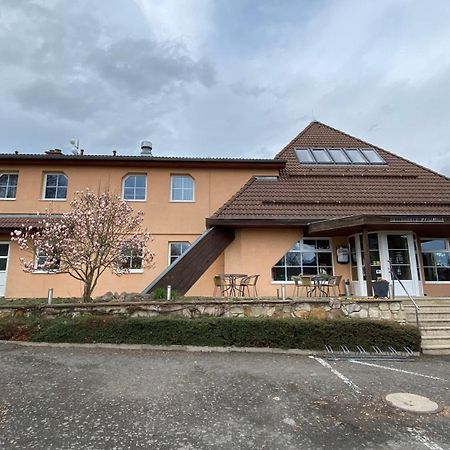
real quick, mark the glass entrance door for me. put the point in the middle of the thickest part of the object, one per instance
(399, 251)
(385, 248)
(4, 251)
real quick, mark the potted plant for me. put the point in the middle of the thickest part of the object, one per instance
(380, 288)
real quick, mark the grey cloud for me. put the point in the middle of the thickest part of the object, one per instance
(66, 100)
(144, 67)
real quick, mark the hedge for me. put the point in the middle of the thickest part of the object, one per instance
(214, 331)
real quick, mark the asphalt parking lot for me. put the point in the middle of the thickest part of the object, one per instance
(87, 398)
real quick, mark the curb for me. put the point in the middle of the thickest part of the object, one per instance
(167, 348)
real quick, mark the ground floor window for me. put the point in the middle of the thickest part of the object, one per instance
(436, 259)
(176, 249)
(44, 262)
(306, 257)
(132, 260)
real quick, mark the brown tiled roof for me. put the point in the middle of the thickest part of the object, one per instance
(19, 221)
(314, 192)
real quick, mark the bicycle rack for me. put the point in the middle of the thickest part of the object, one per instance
(374, 353)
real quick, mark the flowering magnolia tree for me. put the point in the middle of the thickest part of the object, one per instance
(100, 232)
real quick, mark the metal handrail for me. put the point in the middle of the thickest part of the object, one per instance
(416, 306)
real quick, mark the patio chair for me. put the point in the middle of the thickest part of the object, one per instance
(247, 283)
(303, 282)
(219, 285)
(333, 284)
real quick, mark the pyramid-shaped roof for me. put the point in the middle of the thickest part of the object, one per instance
(312, 192)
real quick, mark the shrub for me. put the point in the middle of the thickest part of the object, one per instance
(241, 332)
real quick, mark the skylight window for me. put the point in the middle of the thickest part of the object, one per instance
(305, 156)
(347, 156)
(356, 157)
(372, 156)
(322, 156)
(339, 156)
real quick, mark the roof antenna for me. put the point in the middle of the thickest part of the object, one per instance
(75, 142)
(313, 117)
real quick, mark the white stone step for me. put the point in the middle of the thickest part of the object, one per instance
(435, 340)
(436, 349)
(445, 307)
(428, 331)
(431, 315)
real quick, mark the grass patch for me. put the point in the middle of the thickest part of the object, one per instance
(213, 331)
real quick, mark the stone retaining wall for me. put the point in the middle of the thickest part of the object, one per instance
(329, 308)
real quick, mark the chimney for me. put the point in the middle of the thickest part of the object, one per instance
(54, 151)
(146, 148)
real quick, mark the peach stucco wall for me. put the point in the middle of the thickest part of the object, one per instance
(166, 220)
(256, 250)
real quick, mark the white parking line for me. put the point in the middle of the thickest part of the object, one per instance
(395, 370)
(341, 376)
(420, 436)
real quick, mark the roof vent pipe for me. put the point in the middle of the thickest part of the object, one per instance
(146, 148)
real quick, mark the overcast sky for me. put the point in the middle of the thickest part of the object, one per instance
(224, 78)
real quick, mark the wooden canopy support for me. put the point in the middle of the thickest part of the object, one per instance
(182, 274)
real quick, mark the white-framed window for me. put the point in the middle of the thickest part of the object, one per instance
(181, 188)
(436, 259)
(55, 186)
(8, 186)
(176, 249)
(134, 187)
(132, 260)
(306, 257)
(43, 264)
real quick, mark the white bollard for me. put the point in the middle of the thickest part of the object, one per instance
(283, 291)
(50, 296)
(169, 292)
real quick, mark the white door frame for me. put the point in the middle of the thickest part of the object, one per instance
(3, 287)
(414, 286)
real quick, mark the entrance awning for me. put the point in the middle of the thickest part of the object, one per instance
(422, 225)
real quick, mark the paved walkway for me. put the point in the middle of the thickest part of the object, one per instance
(104, 398)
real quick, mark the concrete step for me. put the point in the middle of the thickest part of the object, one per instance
(435, 340)
(432, 315)
(443, 331)
(430, 323)
(436, 349)
(427, 307)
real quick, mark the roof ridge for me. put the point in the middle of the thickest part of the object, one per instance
(375, 146)
(277, 156)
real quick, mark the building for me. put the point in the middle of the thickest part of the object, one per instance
(327, 202)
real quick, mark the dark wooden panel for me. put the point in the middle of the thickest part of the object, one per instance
(187, 269)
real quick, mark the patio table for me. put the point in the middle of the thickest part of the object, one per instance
(317, 281)
(232, 288)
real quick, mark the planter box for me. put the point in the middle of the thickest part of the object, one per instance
(380, 288)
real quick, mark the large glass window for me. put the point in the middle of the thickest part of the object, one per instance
(55, 186)
(176, 249)
(354, 258)
(181, 188)
(374, 252)
(135, 188)
(436, 259)
(399, 256)
(8, 185)
(306, 257)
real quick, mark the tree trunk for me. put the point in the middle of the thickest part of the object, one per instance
(87, 291)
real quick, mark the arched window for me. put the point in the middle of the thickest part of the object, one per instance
(134, 187)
